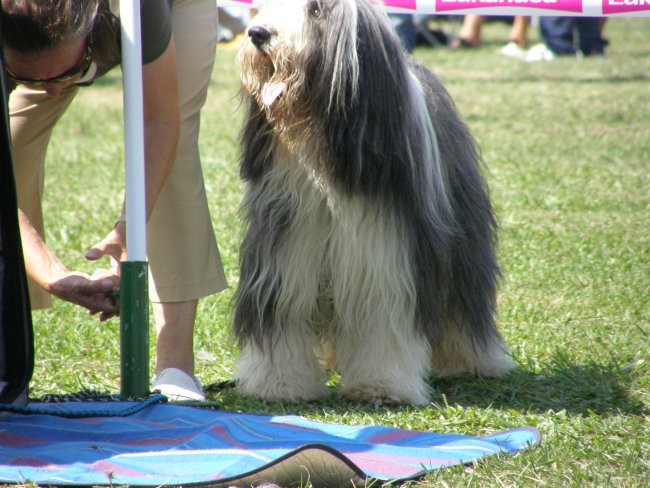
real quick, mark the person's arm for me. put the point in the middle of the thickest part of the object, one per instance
(161, 126)
(161, 121)
(50, 274)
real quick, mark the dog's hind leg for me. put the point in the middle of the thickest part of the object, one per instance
(459, 353)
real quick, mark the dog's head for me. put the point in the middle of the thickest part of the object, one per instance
(300, 52)
(331, 77)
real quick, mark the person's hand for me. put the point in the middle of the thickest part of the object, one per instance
(96, 293)
(113, 245)
(114, 296)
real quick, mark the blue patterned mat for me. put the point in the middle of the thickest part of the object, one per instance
(164, 444)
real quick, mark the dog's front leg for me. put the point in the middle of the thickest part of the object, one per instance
(382, 356)
(278, 296)
(287, 370)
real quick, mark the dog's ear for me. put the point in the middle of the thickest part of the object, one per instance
(352, 41)
(337, 69)
(361, 86)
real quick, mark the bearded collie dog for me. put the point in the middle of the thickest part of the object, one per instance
(370, 237)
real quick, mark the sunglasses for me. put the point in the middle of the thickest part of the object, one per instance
(76, 72)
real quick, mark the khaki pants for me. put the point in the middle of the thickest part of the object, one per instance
(182, 251)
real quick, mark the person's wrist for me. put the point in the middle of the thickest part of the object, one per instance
(120, 220)
(55, 274)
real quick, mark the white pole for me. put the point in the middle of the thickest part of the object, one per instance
(136, 244)
(134, 303)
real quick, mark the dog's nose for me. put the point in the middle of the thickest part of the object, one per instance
(259, 34)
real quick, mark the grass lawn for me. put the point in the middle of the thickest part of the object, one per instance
(567, 146)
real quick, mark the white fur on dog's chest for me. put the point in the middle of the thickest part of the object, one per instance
(302, 171)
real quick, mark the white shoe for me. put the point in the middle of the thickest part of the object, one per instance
(512, 50)
(177, 385)
(539, 52)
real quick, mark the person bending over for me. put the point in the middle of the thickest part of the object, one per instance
(54, 48)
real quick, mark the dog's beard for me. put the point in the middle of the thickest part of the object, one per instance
(273, 76)
(257, 71)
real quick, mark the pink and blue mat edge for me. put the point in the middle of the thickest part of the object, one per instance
(127, 443)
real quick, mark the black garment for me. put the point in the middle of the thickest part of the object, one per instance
(156, 32)
(16, 337)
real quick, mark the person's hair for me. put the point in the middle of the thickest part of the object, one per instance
(30, 26)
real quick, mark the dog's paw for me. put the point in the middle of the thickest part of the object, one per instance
(291, 374)
(375, 395)
(282, 391)
(463, 359)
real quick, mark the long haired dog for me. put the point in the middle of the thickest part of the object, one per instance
(370, 233)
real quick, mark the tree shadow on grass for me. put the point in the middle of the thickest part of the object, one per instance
(588, 389)
(561, 384)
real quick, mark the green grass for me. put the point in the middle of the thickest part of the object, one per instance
(567, 145)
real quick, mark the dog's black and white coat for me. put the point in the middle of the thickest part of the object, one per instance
(370, 235)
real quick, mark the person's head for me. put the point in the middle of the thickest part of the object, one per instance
(46, 42)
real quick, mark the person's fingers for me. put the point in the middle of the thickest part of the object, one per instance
(105, 248)
(112, 245)
(107, 275)
(108, 315)
(94, 295)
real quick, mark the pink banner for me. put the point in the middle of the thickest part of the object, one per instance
(625, 6)
(619, 8)
(405, 4)
(558, 5)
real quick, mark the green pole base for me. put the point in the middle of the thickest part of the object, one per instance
(134, 329)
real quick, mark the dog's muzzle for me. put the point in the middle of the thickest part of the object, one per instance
(260, 35)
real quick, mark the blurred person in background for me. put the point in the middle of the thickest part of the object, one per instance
(568, 36)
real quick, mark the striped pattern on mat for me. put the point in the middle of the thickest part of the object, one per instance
(166, 444)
